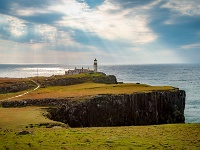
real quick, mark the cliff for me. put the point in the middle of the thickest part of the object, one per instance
(141, 105)
(123, 110)
(150, 108)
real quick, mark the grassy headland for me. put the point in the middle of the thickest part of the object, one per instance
(90, 89)
(80, 86)
(39, 135)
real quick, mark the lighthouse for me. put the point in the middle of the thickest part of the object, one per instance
(95, 65)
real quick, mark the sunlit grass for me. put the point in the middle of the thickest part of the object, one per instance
(20, 117)
(76, 91)
(10, 80)
(176, 136)
(11, 95)
(13, 120)
(91, 89)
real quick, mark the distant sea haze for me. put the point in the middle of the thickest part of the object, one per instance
(183, 76)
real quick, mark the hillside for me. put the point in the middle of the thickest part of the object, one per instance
(73, 87)
(75, 96)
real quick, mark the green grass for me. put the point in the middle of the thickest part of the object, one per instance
(10, 81)
(178, 136)
(13, 118)
(10, 95)
(79, 91)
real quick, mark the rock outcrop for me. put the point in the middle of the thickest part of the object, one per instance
(16, 87)
(124, 110)
(36, 102)
(102, 78)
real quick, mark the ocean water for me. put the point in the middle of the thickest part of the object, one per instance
(183, 76)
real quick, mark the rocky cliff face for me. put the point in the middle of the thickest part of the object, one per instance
(124, 110)
(36, 102)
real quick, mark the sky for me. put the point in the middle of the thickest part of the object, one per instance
(113, 31)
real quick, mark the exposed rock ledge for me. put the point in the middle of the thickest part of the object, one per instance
(116, 110)
(36, 102)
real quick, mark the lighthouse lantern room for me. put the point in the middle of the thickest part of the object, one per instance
(95, 65)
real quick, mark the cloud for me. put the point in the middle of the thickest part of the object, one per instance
(14, 52)
(180, 12)
(126, 25)
(191, 46)
(132, 31)
(21, 31)
(184, 7)
(15, 26)
(133, 3)
(91, 3)
(27, 11)
(11, 7)
(123, 25)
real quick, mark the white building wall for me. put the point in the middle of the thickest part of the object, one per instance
(76, 71)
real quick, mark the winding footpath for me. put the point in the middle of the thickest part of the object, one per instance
(38, 86)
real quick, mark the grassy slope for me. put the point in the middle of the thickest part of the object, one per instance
(89, 89)
(177, 136)
(79, 90)
(13, 120)
(9, 95)
(140, 137)
(9, 81)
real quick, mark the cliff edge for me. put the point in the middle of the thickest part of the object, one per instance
(91, 100)
(123, 110)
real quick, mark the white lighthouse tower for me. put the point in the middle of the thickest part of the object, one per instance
(95, 65)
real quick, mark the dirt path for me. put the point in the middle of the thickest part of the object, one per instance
(38, 86)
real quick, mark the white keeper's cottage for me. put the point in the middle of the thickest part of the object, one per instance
(82, 70)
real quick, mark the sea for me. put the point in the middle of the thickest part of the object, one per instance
(184, 76)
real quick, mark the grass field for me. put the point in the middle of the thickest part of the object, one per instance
(88, 89)
(9, 95)
(133, 137)
(42, 133)
(10, 81)
(77, 90)
(14, 120)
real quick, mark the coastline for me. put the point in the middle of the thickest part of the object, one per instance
(33, 122)
(100, 91)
